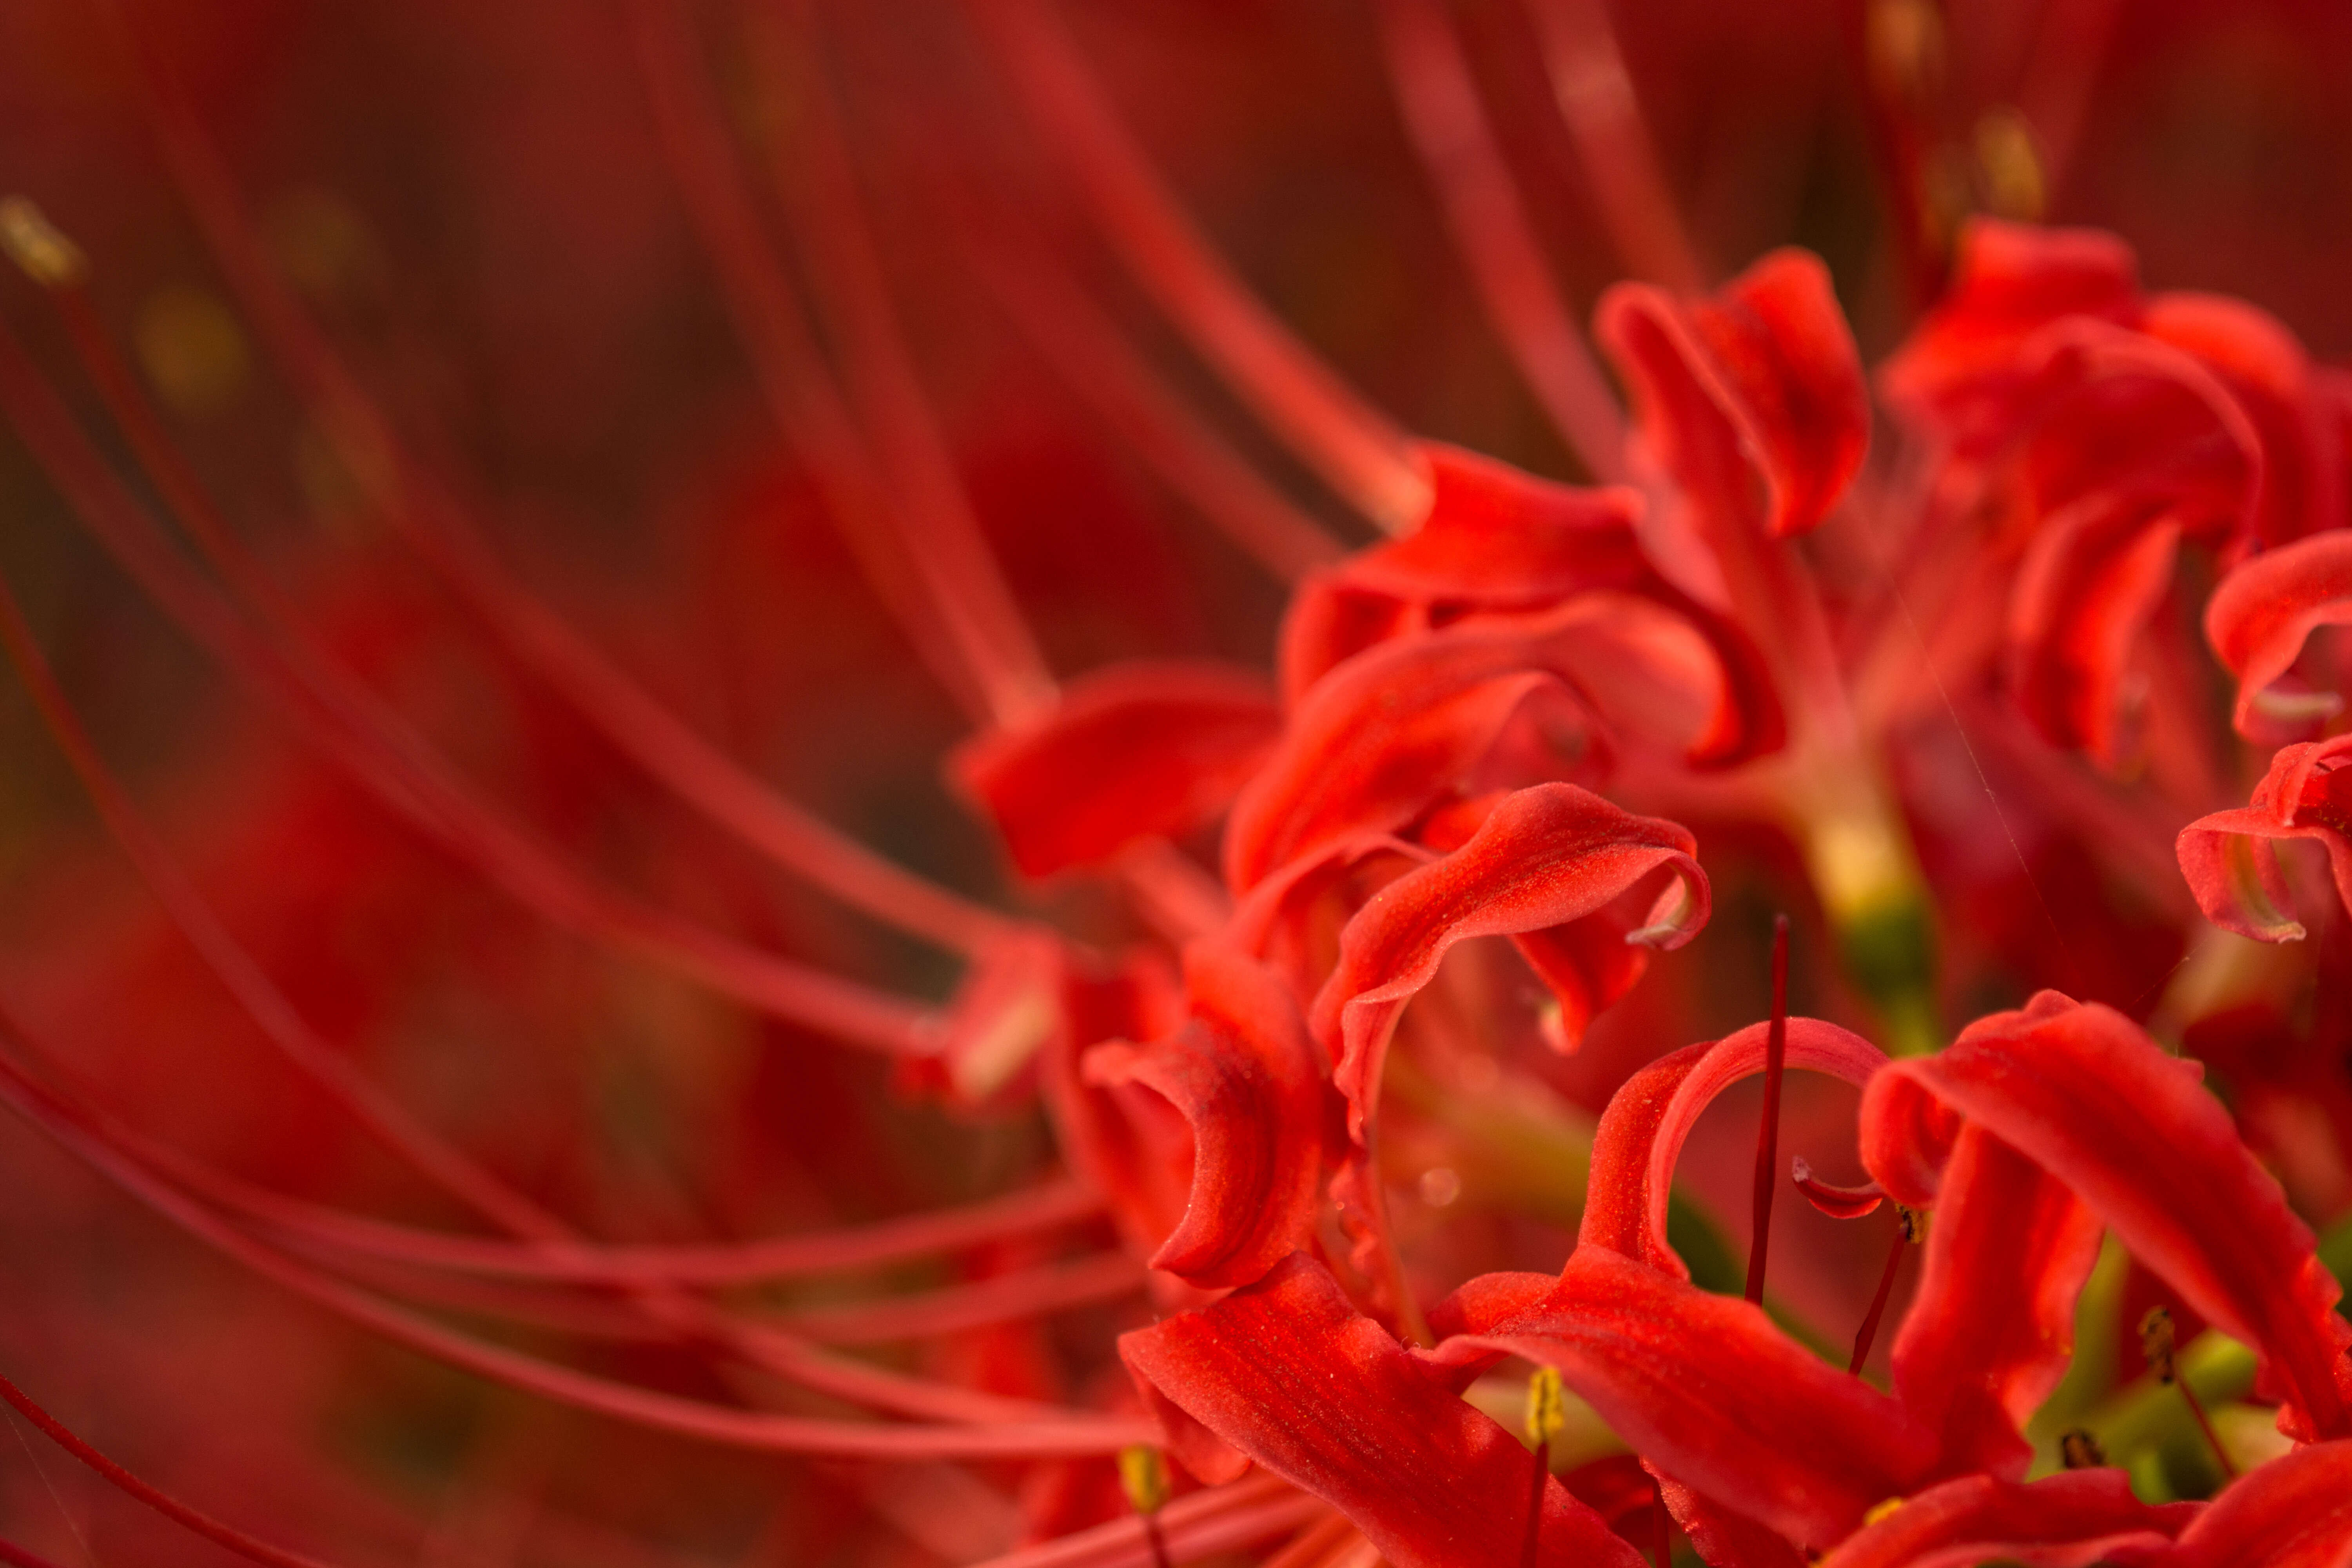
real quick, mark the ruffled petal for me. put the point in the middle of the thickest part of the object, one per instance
(1545, 857)
(2294, 1512)
(1133, 751)
(1247, 1082)
(1753, 399)
(2266, 609)
(1711, 1391)
(1383, 737)
(1991, 1325)
(1287, 1373)
(2083, 1093)
(2229, 859)
(2068, 1520)
(1498, 540)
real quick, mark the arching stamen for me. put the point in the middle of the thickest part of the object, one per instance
(2156, 1342)
(1767, 1137)
(1838, 1203)
(1143, 1474)
(1547, 1414)
(1907, 1231)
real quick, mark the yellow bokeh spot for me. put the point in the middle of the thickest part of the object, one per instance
(192, 349)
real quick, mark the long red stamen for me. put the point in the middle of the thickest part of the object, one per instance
(1358, 450)
(1492, 232)
(378, 751)
(813, 174)
(1906, 1230)
(1003, 1428)
(171, 1507)
(17, 1556)
(1767, 1137)
(1595, 96)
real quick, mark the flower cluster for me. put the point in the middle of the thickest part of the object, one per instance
(1291, 1184)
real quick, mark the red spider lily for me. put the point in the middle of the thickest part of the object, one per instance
(1226, 1090)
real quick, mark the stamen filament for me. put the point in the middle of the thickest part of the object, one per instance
(1358, 451)
(1491, 229)
(1547, 1414)
(1906, 1230)
(1768, 1136)
(2156, 1339)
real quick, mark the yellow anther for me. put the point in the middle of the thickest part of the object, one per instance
(1144, 1474)
(2156, 1344)
(1547, 1405)
(2010, 161)
(1879, 1510)
(36, 245)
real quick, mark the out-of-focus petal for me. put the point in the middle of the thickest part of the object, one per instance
(2068, 1520)
(2092, 576)
(1132, 751)
(1287, 1373)
(1712, 1392)
(2081, 1091)
(2294, 1512)
(2009, 282)
(2264, 611)
(1992, 1326)
(1722, 1538)
(1545, 857)
(1752, 399)
(1247, 1082)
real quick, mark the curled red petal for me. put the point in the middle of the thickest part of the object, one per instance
(2266, 609)
(1752, 399)
(1838, 1203)
(2083, 1093)
(2068, 1520)
(1246, 1079)
(2230, 859)
(1812, 1046)
(1617, 1205)
(1708, 1388)
(1498, 540)
(1287, 1373)
(1133, 751)
(2294, 1512)
(1545, 857)
(1991, 1325)
(1390, 731)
